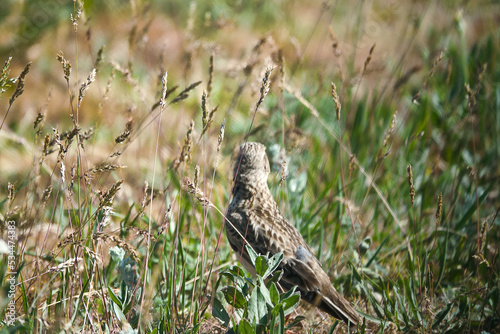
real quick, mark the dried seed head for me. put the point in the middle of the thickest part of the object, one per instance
(119, 242)
(438, 210)
(108, 87)
(86, 135)
(196, 175)
(221, 135)
(336, 100)
(482, 237)
(85, 86)
(207, 117)
(99, 57)
(107, 211)
(20, 83)
(63, 171)
(369, 58)
(471, 99)
(108, 196)
(4, 77)
(163, 90)
(439, 58)
(45, 149)
(410, 182)
(200, 196)
(72, 175)
(433, 68)
(127, 132)
(389, 131)
(66, 65)
(46, 195)
(266, 83)
(68, 264)
(281, 60)
(204, 112)
(210, 75)
(188, 143)
(352, 162)
(184, 94)
(166, 220)
(100, 169)
(185, 155)
(283, 166)
(145, 196)
(78, 15)
(39, 119)
(335, 43)
(11, 190)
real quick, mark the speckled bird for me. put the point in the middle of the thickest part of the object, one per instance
(254, 214)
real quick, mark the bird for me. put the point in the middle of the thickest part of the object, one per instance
(256, 219)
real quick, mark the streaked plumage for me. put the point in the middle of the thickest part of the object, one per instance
(255, 214)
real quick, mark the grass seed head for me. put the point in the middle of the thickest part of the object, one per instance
(66, 64)
(410, 182)
(336, 101)
(438, 210)
(369, 58)
(85, 86)
(20, 83)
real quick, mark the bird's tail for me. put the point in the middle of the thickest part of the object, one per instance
(337, 306)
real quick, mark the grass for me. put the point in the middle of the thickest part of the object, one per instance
(121, 104)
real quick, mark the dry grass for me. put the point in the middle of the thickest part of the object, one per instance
(381, 124)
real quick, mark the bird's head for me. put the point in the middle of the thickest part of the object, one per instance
(252, 162)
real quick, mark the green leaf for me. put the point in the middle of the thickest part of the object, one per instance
(219, 312)
(260, 265)
(114, 298)
(441, 315)
(274, 294)
(275, 278)
(334, 325)
(473, 207)
(244, 327)
(118, 312)
(274, 262)
(295, 322)
(234, 297)
(251, 253)
(288, 293)
(257, 307)
(374, 256)
(281, 324)
(290, 303)
(264, 292)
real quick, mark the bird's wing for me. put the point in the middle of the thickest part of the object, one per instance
(268, 232)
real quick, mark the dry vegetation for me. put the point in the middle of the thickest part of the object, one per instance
(119, 122)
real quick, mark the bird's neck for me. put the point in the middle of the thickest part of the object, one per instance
(251, 184)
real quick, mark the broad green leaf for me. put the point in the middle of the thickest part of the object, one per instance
(244, 327)
(234, 297)
(260, 265)
(251, 254)
(274, 262)
(274, 294)
(257, 308)
(219, 312)
(290, 303)
(264, 292)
